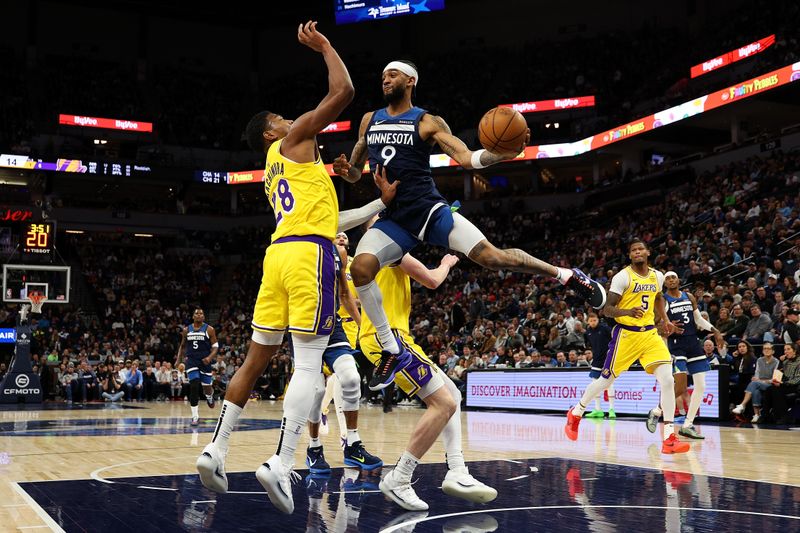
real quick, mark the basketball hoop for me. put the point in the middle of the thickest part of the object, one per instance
(37, 301)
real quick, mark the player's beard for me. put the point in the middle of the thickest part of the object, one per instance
(395, 95)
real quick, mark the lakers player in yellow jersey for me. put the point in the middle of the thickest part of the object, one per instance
(298, 283)
(424, 379)
(636, 303)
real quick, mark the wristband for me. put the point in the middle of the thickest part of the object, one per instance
(476, 159)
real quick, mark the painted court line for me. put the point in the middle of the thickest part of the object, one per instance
(37, 508)
(397, 527)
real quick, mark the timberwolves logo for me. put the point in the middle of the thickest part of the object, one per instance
(328, 323)
(22, 381)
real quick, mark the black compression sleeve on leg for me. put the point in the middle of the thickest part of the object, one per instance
(194, 392)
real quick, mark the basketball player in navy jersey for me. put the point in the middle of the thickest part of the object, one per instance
(199, 345)
(400, 138)
(687, 352)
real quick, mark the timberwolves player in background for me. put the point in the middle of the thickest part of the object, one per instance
(199, 345)
(400, 138)
(687, 352)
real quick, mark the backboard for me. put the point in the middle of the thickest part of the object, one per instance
(19, 280)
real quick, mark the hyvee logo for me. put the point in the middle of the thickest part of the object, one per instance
(126, 125)
(85, 121)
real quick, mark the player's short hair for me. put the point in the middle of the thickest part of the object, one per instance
(636, 240)
(254, 132)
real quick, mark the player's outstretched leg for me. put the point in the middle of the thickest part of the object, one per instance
(688, 429)
(666, 381)
(355, 454)
(194, 399)
(464, 237)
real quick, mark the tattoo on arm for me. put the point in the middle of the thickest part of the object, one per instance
(439, 121)
(358, 158)
(488, 158)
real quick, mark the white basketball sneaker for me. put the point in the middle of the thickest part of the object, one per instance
(459, 483)
(211, 467)
(402, 493)
(277, 481)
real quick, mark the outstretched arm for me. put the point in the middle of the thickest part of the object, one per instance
(340, 93)
(430, 278)
(352, 170)
(355, 217)
(435, 127)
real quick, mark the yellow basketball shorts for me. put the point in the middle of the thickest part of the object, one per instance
(411, 379)
(298, 287)
(629, 343)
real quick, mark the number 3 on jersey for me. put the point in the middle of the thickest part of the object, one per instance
(282, 201)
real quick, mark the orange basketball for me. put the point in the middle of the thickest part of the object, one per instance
(502, 129)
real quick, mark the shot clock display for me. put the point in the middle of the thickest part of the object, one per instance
(37, 238)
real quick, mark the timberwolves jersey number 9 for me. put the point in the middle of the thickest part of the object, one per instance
(394, 142)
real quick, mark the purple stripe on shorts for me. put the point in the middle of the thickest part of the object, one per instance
(612, 347)
(327, 283)
(316, 239)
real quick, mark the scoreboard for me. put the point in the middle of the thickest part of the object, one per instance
(37, 238)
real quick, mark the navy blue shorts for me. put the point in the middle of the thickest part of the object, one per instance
(436, 231)
(688, 355)
(195, 369)
(338, 345)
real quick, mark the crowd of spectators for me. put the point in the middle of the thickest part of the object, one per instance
(732, 236)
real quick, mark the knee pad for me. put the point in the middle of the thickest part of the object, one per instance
(350, 380)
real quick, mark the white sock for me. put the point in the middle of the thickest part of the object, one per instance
(195, 411)
(451, 434)
(302, 393)
(597, 403)
(610, 391)
(563, 275)
(352, 436)
(697, 397)
(405, 466)
(314, 442)
(592, 391)
(228, 416)
(372, 304)
(663, 374)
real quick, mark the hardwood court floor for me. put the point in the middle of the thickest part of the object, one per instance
(525, 456)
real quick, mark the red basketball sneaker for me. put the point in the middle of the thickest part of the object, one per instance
(571, 429)
(673, 445)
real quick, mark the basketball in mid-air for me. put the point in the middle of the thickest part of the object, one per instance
(502, 129)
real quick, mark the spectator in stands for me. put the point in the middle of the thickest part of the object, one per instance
(112, 386)
(790, 384)
(134, 383)
(561, 361)
(724, 323)
(760, 382)
(743, 366)
(69, 382)
(575, 339)
(554, 341)
(758, 326)
(599, 336)
(176, 383)
(163, 378)
(716, 355)
(149, 383)
(277, 377)
(791, 331)
(87, 381)
(741, 320)
(585, 359)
